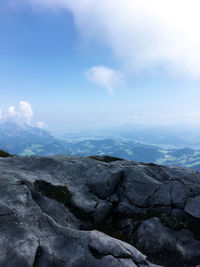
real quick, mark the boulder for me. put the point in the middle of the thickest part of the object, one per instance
(159, 238)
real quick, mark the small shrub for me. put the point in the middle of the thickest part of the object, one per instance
(173, 222)
(4, 154)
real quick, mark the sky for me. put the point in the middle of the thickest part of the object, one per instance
(81, 64)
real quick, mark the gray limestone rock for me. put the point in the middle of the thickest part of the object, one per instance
(37, 228)
(193, 206)
(153, 235)
(52, 207)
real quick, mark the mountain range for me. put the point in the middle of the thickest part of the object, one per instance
(158, 144)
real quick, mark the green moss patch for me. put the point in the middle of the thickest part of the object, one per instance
(59, 193)
(171, 221)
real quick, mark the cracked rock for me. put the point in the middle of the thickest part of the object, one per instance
(51, 209)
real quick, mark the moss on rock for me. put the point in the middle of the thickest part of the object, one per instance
(59, 193)
(173, 222)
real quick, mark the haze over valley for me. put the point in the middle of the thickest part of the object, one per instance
(173, 145)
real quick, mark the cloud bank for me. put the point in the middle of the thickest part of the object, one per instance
(104, 77)
(23, 115)
(145, 35)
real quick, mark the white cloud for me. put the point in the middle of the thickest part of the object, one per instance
(25, 111)
(23, 115)
(104, 77)
(11, 111)
(41, 125)
(145, 35)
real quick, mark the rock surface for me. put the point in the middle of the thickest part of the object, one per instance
(78, 211)
(193, 206)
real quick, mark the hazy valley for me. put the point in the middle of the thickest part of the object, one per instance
(160, 145)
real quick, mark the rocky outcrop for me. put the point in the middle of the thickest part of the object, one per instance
(76, 211)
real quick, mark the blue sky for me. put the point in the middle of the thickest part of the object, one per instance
(89, 64)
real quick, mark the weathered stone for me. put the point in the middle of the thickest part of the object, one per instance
(33, 219)
(153, 235)
(193, 206)
(47, 202)
(135, 183)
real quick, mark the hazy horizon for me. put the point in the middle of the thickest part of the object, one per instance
(75, 65)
